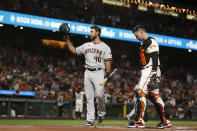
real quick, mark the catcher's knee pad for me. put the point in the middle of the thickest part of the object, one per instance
(160, 101)
(155, 98)
(139, 94)
(140, 105)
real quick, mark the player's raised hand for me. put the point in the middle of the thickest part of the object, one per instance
(66, 38)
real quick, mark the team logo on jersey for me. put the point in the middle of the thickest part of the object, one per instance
(93, 50)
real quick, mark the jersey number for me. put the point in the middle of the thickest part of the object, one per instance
(98, 59)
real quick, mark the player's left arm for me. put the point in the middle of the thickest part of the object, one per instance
(108, 66)
(154, 54)
(108, 61)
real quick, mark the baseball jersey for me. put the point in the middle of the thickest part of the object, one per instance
(95, 54)
(79, 96)
(147, 47)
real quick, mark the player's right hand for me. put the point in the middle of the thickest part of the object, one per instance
(107, 75)
(66, 38)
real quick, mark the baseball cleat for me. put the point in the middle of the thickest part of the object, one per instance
(168, 124)
(100, 119)
(162, 125)
(89, 123)
(135, 125)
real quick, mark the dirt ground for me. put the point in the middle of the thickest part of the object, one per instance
(83, 128)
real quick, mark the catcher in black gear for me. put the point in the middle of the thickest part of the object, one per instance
(149, 82)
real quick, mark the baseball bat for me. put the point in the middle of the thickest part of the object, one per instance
(105, 80)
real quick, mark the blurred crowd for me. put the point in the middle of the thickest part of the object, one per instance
(49, 77)
(98, 13)
(52, 77)
(61, 76)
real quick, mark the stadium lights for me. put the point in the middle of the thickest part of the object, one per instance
(150, 3)
(162, 6)
(1, 25)
(189, 50)
(142, 8)
(21, 28)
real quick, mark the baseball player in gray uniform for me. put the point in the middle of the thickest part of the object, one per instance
(98, 58)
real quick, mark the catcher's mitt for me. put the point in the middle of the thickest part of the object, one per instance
(64, 28)
(154, 83)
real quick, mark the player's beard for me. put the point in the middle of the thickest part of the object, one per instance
(93, 38)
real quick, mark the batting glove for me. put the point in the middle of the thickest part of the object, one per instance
(107, 75)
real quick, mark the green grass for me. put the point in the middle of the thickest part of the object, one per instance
(82, 122)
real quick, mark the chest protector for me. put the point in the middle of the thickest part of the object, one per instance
(144, 56)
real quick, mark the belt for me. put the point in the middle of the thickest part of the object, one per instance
(94, 69)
